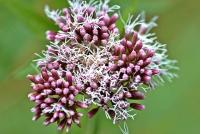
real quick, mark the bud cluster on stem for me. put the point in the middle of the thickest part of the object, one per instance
(88, 66)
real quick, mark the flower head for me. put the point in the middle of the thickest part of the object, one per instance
(88, 66)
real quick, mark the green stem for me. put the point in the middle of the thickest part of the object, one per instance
(96, 125)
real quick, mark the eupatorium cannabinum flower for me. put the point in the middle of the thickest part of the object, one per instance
(88, 66)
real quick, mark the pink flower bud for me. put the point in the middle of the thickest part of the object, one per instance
(104, 42)
(147, 79)
(88, 26)
(138, 45)
(106, 19)
(104, 35)
(128, 95)
(58, 91)
(137, 95)
(125, 77)
(138, 79)
(64, 100)
(55, 74)
(132, 55)
(65, 91)
(124, 57)
(81, 104)
(129, 70)
(135, 38)
(120, 63)
(114, 18)
(104, 29)
(87, 37)
(32, 78)
(69, 77)
(49, 100)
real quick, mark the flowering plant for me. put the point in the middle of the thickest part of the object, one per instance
(87, 65)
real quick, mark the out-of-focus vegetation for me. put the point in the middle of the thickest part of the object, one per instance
(171, 109)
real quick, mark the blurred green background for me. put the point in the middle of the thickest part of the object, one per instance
(171, 109)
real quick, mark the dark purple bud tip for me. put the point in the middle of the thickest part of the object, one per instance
(150, 53)
(111, 113)
(155, 71)
(137, 95)
(93, 112)
(87, 26)
(129, 45)
(62, 125)
(147, 62)
(50, 35)
(55, 74)
(114, 18)
(135, 38)
(137, 106)
(31, 78)
(45, 76)
(138, 45)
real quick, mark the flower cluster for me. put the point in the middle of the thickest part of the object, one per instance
(88, 66)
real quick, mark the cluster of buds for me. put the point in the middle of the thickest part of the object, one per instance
(132, 59)
(52, 93)
(83, 23)
(87, 65)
